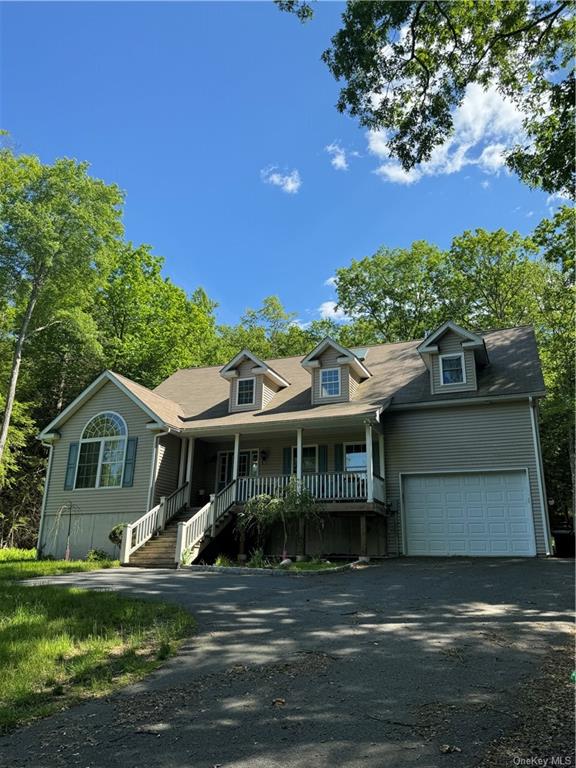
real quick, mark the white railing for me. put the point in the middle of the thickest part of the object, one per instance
(337, 486)
(379, 488)
(248, 487)
(136, 534)
(192, 531)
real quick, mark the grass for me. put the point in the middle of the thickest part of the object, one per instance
(311, 566)
(60, 645)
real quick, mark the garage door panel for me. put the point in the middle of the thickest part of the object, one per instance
(468, 513)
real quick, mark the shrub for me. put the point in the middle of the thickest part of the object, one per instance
(115, 535)
(224, 561)
(96, 556)
(257, 559)
(15, 555)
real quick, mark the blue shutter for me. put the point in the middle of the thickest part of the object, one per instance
(71, 466)
(339, 458)
(322, 458)
(130, 462)
(287, 461)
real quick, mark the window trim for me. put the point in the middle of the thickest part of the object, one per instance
(463, 366)
(245, 378)
(355, 442)
(101, 440)
(294, 462)
(329, 370)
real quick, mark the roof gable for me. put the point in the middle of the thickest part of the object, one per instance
(158, 408)
(470, 339)
(260, 367)
(347, 357)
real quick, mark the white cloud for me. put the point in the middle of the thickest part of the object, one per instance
(337, 156)
(329, 310)
(330, 282)
(486, 125)
(529, 214)
(288, 182)
(485, 184)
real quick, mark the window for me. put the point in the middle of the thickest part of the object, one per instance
(309, 459)
(355, 459)
(245, 392)
(330, 382)
(452, 369)
(102, 452)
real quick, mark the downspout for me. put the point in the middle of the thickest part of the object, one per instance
(153, 468)
(50, 447)
(533, 404)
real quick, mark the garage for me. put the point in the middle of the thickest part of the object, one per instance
(478, 514)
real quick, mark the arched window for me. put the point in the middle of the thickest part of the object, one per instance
(102, 452)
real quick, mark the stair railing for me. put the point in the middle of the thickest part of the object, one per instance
(136, 534)
(191, 532)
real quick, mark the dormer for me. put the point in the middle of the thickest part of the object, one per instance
(253, 383)
(336, 372)
(453, 356)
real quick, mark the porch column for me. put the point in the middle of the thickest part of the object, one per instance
(363, 540)
(382, 468)
(189, 465)
(369, 465)
(182, 467)
(236, 456)
(299, 456)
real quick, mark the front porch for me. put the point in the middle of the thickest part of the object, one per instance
(342, 467)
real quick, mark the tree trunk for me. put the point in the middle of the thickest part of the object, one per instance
(62, 383)
(16, 362)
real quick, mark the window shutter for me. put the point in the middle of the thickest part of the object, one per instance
(339, 458)
(287, 461)
(71, 466)
(130, 462)
(322, 458)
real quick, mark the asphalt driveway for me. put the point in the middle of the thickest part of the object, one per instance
(381, 667)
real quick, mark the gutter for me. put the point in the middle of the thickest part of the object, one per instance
(153, 467)
(486, 400)
(533, 405)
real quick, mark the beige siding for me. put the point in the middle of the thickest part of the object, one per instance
(269, 389)
(450, 344)
(168, 465)
(96, 511)
(328, 359)
(481, 437)
(245, 371)
(353, 383)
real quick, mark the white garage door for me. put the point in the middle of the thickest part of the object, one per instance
(468, 513)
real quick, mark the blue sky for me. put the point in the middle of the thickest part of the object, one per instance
(215, 118)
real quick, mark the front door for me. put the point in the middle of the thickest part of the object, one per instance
(247, 466)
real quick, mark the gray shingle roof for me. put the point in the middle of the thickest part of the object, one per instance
(200, 395)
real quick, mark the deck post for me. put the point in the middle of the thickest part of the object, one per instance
(299, 456)
(242, 547)
(369, 465)
(236, 456)
(363, 539)
(126, 544)
(301, 543)
(382, 467)
(189, 465)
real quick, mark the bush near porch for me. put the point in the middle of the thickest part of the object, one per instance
(60, 645)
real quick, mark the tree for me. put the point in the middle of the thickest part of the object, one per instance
(396, 294)
(557, 238)
(58, 231)
(148, 327)
(406, 67)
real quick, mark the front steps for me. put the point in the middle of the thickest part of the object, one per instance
(159, 551)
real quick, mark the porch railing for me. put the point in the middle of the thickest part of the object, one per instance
(255, 486)
(136, 534)
(379, 487)
(191, 532)
(337, 486)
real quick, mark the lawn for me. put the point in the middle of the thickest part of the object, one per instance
(60, 645)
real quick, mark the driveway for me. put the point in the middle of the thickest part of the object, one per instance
(381, 667)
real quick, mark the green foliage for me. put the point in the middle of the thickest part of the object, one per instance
(16, 554)
(97, 556)
(405, 67)
(115, 535)
(257, 559)
(224, 561)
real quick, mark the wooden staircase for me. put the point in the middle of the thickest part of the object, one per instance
(197, 549)
(159, 551)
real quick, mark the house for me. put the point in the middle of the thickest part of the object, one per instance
(427, 447)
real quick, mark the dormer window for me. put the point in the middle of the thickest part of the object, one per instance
(245, 391)
(452, 369)
(330, 383)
